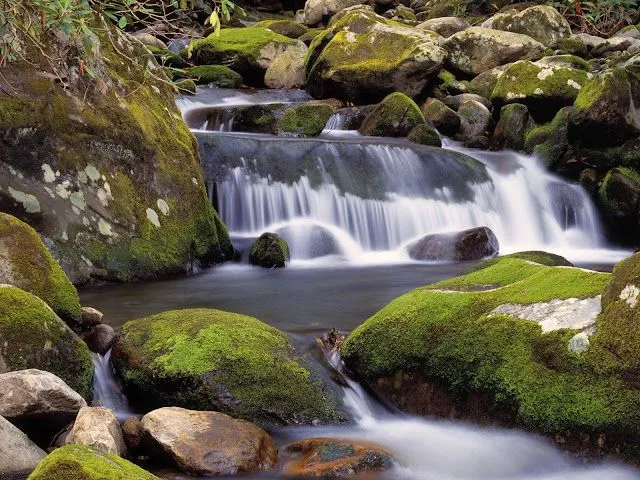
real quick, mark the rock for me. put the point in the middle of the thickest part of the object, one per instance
(100, 338)
(456, 101)
(591, 41)
(18, 455)
(478, 142)
(288, 28)
(401, 13)
(544, 89)
(26, 263)
(248, 51)
(208, 443)
(424, 135)
(619, 196)
(365, 57)
(217, 75)
(478, 49)
(540, 22)
(445, 120)
(590, 180)
(549, 142)
(607, 109)
(316, 10)
(569, 46)
(186, 86)
(226, 359)
(484, 84)
(98, 427)
(630, 31)
(472, 244)
(91, 317)
(335, 458)
(168, 59)
(33, 337)
(269, 251)
(512, 128)
(395, 116)
(445, 26)
(149, 40)
(616, 44)
(132, 434)
(87, 463)
(475, 119)
(287, 70)
(308, 119)
(116, 189)
(450, 85)
(365, 9)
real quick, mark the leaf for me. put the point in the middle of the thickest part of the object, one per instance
(122, 23)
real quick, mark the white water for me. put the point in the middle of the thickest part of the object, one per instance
(106, 391)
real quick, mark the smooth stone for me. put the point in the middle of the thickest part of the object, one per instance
(98, 427)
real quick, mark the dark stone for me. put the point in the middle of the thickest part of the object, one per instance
(269, 251)
(100, 338)
(511, 130)
(472, 244)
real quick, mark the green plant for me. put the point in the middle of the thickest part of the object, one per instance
(599, 17)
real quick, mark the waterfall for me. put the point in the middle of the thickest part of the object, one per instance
(106, 391)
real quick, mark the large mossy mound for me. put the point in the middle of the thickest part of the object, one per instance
(32, 336)
(446, 334)
(26, 263)
(75, 462)
(206, 359)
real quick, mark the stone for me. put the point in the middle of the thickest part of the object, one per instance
(549, 142)
(424, 135)
(216, 75)
(18, 454)
(26, 263)
(91, 317)
(132, 434)
(335, 458)
(445, 26)
(149, 40)
(395, 116)
(630, 31)
(591, 41)
(478, 49)
(484, 84)
(98, 427)
(512, 128)
(456, 101)
(401, 13)
(542, 23)
(475, 119)
(269, 251)
(472, 244)
(288, 28)
(287, 70)
(316, 10)
(208, 443)
(100, 338)
(619, 196)
(307, 119)
(444, 119)
(616, 44)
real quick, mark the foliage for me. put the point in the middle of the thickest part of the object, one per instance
(599, 17)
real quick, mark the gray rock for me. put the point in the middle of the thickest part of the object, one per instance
(91, 317)
(617, 44)
(540, 22)
(628, 32)
(472, 244)
(287, 70)
(456, 101)
(445, 26)
(591, 41)
(98, 427)
(100, 338)
(18, 454)
(316, 10)
(475, 119)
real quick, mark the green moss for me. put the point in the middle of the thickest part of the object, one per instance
(549, 141)
(395, 116)
(230, 362)
(269, 251)
(87, 463)
(26, 263)
(288, 28)
(308, 119)
(218, 75)
(425, 135)
(449, 337)
(542, 258)
(570, 46)
(186, 86)
(33, 337)
(609, 196)
(168, 58)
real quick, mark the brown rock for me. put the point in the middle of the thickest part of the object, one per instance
(98, 427)
(472, 244)
(132, 433)
(100, 339)
(91, 317)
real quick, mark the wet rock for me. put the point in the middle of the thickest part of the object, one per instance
(619, 197)
(444, 119)
(217, 75)
(472, 244)
(100, 338)
(542, 23)
(425, 135)
(91, 317)
(335, 458)
(287, 70)
(98, 427)
(549, 142)
(18, 455)
(208, 443)
(269, 251)
(475, 119)
(512, 128)
(445, 26)
(395, 116)
(132, 434)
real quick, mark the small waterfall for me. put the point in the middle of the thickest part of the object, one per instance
(106, 391)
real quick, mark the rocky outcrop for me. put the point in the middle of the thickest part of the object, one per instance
(269, 251)
(206, 359)
(395, 116)
(18, 455)
(472, 244)
(208, 443)
(99, 428)
(541, 22)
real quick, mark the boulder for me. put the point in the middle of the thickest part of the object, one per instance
(365, 57)
(207, 359)
(18, 455)
(395, 116)
(542, 23)
(26, 263)
(590, 41)
(449, 84)
(87, 463)
(401, 13)
(549, 142)
(98, 427)
(475, 119)
(33, 337)
(91, 317)
(208, 443)
(630, 31)
(269, 251)
(445, 26)
(512, 128)
(335, 458)
(444, 119)
(569, 46)
(615, 45)
(288, 28)
(149, 40)
(100, 338)
(456, 101)
(478, 49)
(484, 84)
(287, 70)
(472, 244)
(308, 119)
(619, 196)
(217, 75)
(316, 10)
(424, 135)
(248, 51)
(132, 434)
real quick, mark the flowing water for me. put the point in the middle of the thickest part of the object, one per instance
(348, 205)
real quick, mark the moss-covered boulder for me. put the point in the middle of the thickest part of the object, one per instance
(248, 51)
(395, 116)
(512, 127)
(218, 75)
(87, 463)
(32, 336)
(317, 10)
(211, 360)
(269, 251)
(424, 135)
(541, 22)
(109, 173)
(308, 119)
(543, 88)
(441, 117)
(485, 83)
(478, 49)
(26, 263)
(186, 86)
(549, 142)
(288, 28)
(364, 57)
(607, 109)
(619, 197)
(494, 345)
(569, 46)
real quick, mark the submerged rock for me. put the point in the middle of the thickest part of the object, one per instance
(472, 244)
(208, 443)
(395, 116)
(98, 427)
(269, 251)
(206, 359)
(18, 455)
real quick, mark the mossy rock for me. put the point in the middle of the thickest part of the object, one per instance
(26, 263)
(395, 116)
(512, 128)
(167, 58)
(619, 198)
(269, 251)
(205, 359)
(486, 82)
(539, 257)
(549, 142)
(570, 46)
(79, 462)
(34, 337)
(541, 22)
(186, 86)
(307, 120)
(218, 75)
(441, 117)
(447, 335)
(288, 28)
(425, 135)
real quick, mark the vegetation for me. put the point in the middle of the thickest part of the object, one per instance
(599, 17)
